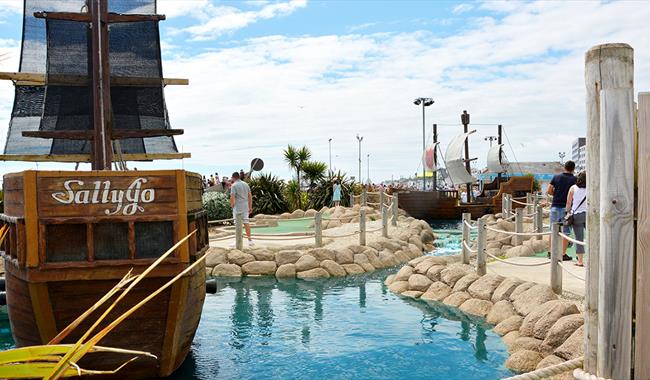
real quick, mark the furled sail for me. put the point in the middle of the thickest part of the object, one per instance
(495, 160)
(59, 50)
(455, 160)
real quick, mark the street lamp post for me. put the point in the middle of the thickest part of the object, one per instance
(490, 139)
(360, 139)
(330, 143)
(562, 155)
(425, 102)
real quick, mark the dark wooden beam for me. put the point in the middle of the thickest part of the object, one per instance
(117, 134)
(88, 158)
(33, 79)
(85, 17)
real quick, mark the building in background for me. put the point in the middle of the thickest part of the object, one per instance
(579, 153)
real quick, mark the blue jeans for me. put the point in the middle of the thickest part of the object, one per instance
(557, 216)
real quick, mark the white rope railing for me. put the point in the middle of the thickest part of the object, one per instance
(569, 272)
(549, 371)
(580, 374)
(471, 227)
(467, 247)
(518, 233)
(518, 264)
(569, 238)
(521, 203)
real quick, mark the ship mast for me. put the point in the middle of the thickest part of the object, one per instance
(435, 158)
(102, 156)
(500, 141)
(464, 118)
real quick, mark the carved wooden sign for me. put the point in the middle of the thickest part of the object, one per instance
(110, 196)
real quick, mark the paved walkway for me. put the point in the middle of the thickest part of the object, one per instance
(541, 274)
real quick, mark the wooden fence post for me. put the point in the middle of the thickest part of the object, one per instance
(508, 205)
(382, 199)
(616, 260)
(642, 330)
(239, 234)
(318, 229)
(519, 225)
(539, 221)
(384, 222)
(364, 197)
(504, 206)
(529, 204)
(395, 209)
(362, 226)
(606, 66)
(467, 217)
(351, 198)
(482, 242)
(556, 258)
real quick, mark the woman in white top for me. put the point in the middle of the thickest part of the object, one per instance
(577, 203)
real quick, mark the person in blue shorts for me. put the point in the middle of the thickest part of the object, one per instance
(559, 189)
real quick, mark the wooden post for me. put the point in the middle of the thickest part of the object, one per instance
(556, 258)
(351, 199)
(382, 199)
(519, 225)
(395, 209)
(482, 242)
(362, 226)
(364, 197)
(318, 229)
(642, 330)
(529, 204)
(239, 234)
(508, 200)
(467, 217)
(606, 66)
(504, 200)
(616, 261)
(384, 222)
(539, 218)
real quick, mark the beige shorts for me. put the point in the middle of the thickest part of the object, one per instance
(244, 215)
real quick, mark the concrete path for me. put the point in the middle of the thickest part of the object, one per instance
(541, 274)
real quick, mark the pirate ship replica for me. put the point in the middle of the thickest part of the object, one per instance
(90, 89)
(439, 204)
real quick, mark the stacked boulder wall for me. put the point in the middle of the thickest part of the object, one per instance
(419, 282)
(501, 311)
(306, 262)
(456, 299)
(505, 289)
(524, 360)
(286, 271)
(333, 268)
(477, 307)
(259, 268)
(464, 282)
(437, 291)
(562, 330)
(483, 287)
(314, 273)
(537, 295)
(512, 323)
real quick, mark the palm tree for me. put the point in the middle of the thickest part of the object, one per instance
(314, 171)
(296, 158)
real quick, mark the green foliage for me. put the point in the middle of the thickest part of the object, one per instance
(292, 195)
(217, 205)
(296, 158)
(536, 186)
(321, 194)
(314, 171)
(268, 194)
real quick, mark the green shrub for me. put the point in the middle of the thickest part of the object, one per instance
(292, 195)
(268, 194)
(321, 194)
(217, 205)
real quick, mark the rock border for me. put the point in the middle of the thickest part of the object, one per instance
(538, 328)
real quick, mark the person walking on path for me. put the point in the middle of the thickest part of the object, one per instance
(336, 194)
(559, 189)
(241, 202)
(577, 203)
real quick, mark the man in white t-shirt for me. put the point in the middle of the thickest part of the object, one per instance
(241, 202)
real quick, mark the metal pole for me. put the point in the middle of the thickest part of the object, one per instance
(482, 242)
(556, 257)
(360, 139)
(330, 146)
(499, 140)
(467, 217)
(362, 226)
(239, 235)
(435, 158)
(424, 168)
(368, 168)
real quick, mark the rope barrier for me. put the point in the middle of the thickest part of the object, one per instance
(389, 196)
(220, 220)
(549, 371)
(571, 273)
(569, 238)
(580, 374)
(373, 203)
(518, 264)
(522, 203)
(341, 236)
(222, 238)
(467, 247)
(471, 227)
(519, 233)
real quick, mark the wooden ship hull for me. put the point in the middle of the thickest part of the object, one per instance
(73, 235)
(446, 204)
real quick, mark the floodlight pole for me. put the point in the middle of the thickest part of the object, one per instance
(360, 138)
(435, 158)
(330, 143)
(464, 118)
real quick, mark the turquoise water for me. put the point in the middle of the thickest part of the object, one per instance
(349, 328)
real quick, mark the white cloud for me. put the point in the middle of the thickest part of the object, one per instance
(462, 8)
(215, 20)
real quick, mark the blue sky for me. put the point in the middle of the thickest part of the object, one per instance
(267, 73)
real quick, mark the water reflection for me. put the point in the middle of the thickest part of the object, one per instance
(336, 328)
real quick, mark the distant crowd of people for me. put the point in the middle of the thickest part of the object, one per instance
(569, 207)
(223, 183)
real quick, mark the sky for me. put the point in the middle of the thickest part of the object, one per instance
(264, 74)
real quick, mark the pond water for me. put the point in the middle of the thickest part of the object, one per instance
(344, 328)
